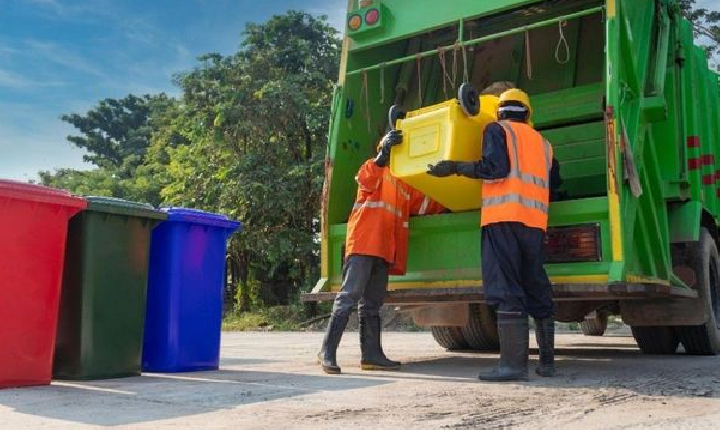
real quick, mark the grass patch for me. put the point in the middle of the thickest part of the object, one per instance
(277, 318)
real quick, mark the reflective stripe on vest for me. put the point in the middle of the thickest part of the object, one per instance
(378, 205)
(514, 198)
(515, 172)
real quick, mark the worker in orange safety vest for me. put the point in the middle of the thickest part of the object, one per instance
(518, 172)
(376, 247)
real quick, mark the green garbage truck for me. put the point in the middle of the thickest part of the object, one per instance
(630, 105)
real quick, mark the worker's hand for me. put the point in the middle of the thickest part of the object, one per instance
(391, 139)
(442, 169)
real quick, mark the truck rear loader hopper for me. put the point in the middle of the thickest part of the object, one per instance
(631, 108)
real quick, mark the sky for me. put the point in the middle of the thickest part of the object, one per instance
(62, 56)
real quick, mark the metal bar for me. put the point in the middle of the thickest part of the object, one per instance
(480, 40)
(561, 292)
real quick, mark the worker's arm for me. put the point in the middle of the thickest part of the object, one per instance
(369, 178)
(420, 204)
(494, 164)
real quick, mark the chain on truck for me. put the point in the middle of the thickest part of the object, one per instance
(631, 108)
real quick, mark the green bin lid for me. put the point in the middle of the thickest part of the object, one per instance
(117, 206)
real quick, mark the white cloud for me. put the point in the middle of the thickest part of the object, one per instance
(54, 53)
(14, 81)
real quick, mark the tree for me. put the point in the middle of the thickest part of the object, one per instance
(116, 135)
(706, 23)
(257, 121)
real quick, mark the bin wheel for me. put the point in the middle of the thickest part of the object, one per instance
(450, 338)
(704, 339)
(395, 113)
(469, 99)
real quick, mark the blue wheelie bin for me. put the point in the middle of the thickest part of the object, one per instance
(185, 291)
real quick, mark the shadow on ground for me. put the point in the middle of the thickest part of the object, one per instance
(158, 397)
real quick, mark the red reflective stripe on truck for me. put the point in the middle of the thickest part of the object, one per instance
(708, 160)
(709, 179)
(694, 164)
(693, 142)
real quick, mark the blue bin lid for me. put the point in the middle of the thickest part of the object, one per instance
(197, 216)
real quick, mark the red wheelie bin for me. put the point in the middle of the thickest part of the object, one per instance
(33, 231)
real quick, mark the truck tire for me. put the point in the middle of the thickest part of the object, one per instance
(481, 331)
(450, 338)
(656, 339)
(705, 339)
(595, 326)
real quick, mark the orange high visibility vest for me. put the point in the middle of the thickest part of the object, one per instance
(378, 224)
(524, 196)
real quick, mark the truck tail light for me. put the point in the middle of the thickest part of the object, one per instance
(573, 244)
(372, 17)
(355, 22)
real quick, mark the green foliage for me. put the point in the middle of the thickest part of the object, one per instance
(247, 138)
(707, 26)
(274, 318)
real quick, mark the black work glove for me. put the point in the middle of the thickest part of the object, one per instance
(391, 139)
(442, 169)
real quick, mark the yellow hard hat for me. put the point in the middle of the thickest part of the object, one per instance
(518, 96)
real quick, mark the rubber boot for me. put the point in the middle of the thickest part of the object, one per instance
(327, 355)
(372, 355)
(379, 344)
(514, 338)
(545, 335)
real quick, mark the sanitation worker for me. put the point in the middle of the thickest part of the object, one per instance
(376, 246)
(517, 169)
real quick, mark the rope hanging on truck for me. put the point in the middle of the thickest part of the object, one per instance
(466, 75)
(366, 105)
(562, 41)
(528, 58)
(484, 39)
(418, 60)
(382, 86)
(446, 76)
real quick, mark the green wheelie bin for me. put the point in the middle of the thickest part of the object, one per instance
(103, 299)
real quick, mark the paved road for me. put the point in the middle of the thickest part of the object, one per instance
(270, 380)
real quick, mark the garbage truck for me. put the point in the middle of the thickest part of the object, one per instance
(630, 105)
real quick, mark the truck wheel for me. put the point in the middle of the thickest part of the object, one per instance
(450, 338)
(705, 339)
(595, 326)
(481, 330)
(656, 339)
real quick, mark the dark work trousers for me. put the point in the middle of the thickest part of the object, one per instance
(514, 278)
(364, 281)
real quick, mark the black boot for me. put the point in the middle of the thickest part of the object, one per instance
(545, 336)
(373, 357)
(513, 365)
(333, 334)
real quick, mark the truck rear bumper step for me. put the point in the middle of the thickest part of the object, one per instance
(564, 292)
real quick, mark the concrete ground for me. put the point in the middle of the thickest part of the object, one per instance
(270, 380)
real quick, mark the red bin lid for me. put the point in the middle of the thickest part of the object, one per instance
(39, 193)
